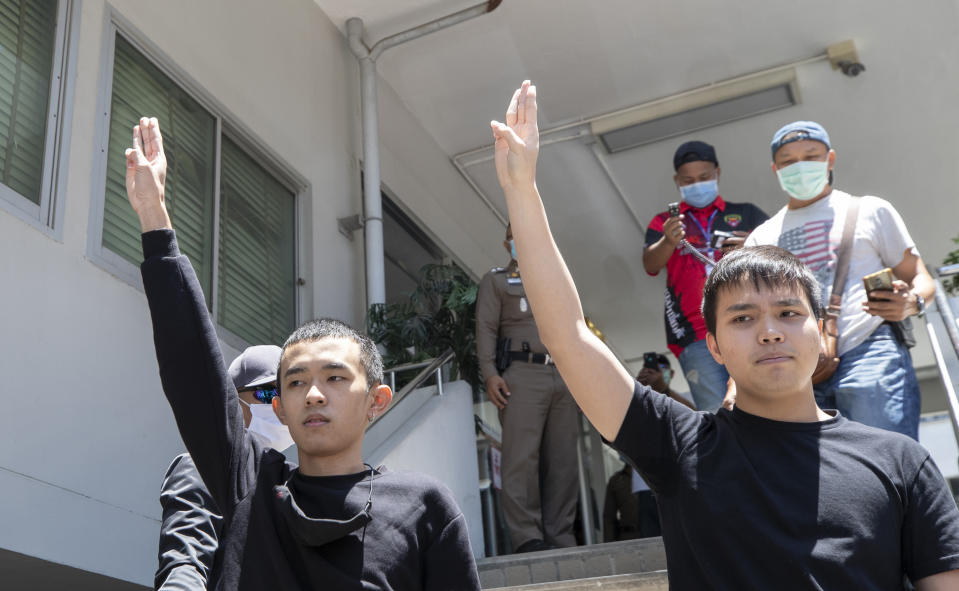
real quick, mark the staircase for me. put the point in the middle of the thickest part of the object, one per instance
(633, 565)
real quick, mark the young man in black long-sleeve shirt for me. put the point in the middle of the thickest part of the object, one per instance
(331, 523)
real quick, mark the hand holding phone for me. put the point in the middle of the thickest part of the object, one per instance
(718, 238)
(878, 281)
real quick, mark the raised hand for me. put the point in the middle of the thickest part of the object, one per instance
(146, 175)
(517, 142)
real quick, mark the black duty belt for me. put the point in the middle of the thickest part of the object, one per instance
(527, 357)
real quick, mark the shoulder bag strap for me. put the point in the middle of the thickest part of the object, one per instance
(845, 251)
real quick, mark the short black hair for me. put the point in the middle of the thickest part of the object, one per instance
(763, 266)
(663, 360)
(322, 328)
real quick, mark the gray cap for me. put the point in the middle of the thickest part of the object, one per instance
(255, 366)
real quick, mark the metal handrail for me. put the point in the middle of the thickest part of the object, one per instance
(430, 367)
(949, 321)
(942, 303)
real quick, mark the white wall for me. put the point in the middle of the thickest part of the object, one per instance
(87, 432)
(438, 422)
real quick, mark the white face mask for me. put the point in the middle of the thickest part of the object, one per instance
(266, 427)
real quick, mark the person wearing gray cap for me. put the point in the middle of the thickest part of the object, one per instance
(874, 382)
(687, 244)
(191, 524)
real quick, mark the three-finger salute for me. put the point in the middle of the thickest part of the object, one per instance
(517, 141)
(146, 175)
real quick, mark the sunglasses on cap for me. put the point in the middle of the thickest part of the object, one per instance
(263, 394)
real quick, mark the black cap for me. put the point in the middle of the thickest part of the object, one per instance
(694, 151)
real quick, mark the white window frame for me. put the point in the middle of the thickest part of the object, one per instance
(48, 215)
(226, 124)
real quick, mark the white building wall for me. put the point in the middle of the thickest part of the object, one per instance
(87, 432)
(436, 422)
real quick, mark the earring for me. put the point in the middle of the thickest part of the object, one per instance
(371, 417)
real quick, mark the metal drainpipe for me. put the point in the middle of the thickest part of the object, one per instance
(372, 203)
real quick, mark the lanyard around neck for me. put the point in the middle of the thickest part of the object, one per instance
(707, 232)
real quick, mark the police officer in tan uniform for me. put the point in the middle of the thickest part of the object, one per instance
(537, 412)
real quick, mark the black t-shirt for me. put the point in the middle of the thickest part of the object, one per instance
(417, 539)
(752, 503)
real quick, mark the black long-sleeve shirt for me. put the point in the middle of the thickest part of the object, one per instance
(189, 531)
(417, 538)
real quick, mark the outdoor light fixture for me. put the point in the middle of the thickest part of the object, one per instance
(697, 109)
(716, 103)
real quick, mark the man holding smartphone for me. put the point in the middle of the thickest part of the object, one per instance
(875, 382)
(712, 227)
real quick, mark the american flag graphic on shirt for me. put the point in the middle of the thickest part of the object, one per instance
(810, 242)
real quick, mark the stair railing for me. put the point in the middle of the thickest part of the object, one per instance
(427, 368)
(944, 311)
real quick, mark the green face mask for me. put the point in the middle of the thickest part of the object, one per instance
(804, 180)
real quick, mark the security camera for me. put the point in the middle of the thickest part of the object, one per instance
(851, 69)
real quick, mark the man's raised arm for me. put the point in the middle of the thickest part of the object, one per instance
(192, 371)
(599, 383)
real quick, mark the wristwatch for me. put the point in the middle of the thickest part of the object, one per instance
(920, 306)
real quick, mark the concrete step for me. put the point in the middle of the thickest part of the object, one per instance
(655, 581)
(582, 563)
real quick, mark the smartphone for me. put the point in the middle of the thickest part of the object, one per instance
(651, 360)
(718, 238)
(880, 280)
(673, 209)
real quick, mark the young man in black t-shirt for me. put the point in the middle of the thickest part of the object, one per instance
(777, 493)
(332, 522)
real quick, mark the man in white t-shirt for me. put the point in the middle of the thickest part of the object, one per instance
(875, 382)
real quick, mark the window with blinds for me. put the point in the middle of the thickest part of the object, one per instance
(255, 271)
(189, 140)
(27, 44)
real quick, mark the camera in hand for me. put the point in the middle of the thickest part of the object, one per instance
(673, 209)
(651, 360)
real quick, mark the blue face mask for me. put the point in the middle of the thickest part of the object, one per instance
(700, 194)
(512, 250)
